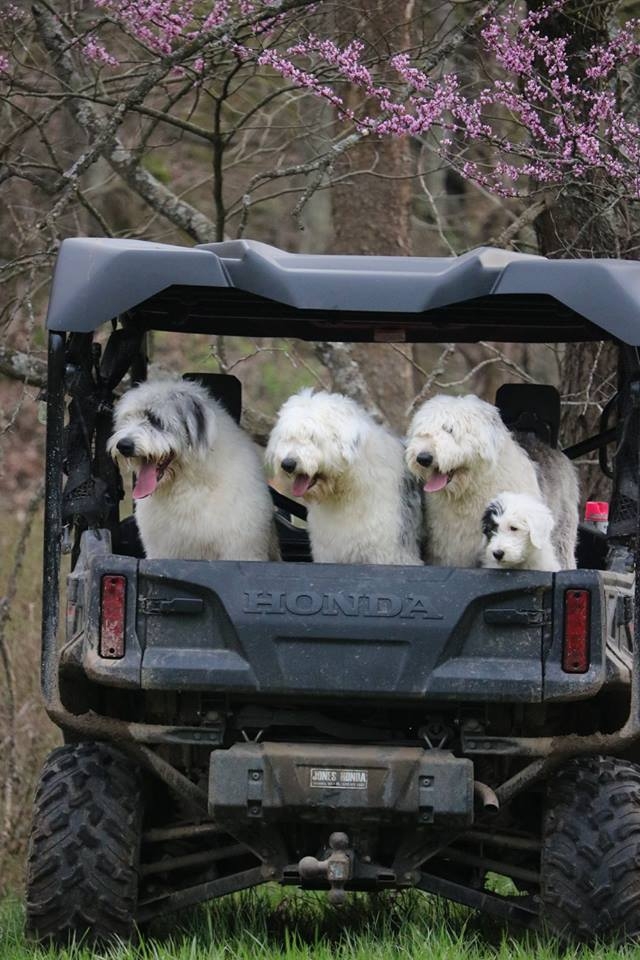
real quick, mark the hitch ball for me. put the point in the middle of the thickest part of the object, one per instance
(336, 869)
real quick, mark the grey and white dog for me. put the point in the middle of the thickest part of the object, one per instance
(200, 491)
(560, 490)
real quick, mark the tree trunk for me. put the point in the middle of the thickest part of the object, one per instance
(371, 210)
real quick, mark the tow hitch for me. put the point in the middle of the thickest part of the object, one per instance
(336, 869)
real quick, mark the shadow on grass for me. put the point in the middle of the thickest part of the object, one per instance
(269, 924)
(296, 924)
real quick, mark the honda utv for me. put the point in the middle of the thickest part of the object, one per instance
(322, 726)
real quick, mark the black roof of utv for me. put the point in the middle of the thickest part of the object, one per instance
(247, 288)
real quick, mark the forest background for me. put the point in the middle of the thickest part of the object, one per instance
(418, 127)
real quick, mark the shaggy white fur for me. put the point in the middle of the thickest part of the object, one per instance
(464, 455)
(200, 491)
(517, 530)
(362, 505)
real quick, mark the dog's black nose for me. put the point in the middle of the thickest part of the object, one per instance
(498, 554)
(126, 447)
(289, 464)
(424, 459)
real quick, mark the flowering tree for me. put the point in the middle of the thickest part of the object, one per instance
(544, 120)
(544, 113)
(98, 97)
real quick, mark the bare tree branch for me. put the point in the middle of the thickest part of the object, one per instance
(18, 365)
(438, 370)
(106, 143)
(508, 235)
(347, 376)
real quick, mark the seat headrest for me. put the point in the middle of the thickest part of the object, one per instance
(531, 408)
(223, 387)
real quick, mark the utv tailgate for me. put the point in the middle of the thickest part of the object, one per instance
(325, 630)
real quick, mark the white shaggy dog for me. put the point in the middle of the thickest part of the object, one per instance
(465, 456)
(517, 530)
(363, 507)
(200, 491)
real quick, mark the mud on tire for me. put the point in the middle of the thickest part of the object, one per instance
(82, 872)
(590, 873)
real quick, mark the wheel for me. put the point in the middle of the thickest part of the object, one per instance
(82, 871)
(590, 869)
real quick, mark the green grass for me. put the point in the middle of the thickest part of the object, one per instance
(271, 925)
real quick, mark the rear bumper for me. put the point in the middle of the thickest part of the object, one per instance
(279, 782)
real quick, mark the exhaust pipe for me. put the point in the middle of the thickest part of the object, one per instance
(486, 798)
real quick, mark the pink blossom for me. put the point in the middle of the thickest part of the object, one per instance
(161, 24)
(298, 77)
(96, 53)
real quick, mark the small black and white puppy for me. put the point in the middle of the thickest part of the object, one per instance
(517, 534)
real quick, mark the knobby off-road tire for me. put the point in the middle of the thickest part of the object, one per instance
(590, 872)
(82, 872)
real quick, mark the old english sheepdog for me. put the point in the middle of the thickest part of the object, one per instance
(465, 456)
(362, 505)
(558, 481)
(517, 530)
(200, 491)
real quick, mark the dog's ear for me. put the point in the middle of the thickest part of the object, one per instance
(482, 430)
(198, 425)
(540, 523)
(273, 448)
(201, 421)
(490, 518)
(355, 441)
(350, 436)
(270, 455)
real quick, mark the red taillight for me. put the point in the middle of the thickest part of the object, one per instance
(575, 648)
(112, 617)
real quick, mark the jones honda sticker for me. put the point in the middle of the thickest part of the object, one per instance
(332, 777)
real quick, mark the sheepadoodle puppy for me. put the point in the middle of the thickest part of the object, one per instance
(558, 481)
(200, 491)
(362, 505)
(464, 455)
(517, 530)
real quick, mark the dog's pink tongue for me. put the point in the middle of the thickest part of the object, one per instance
(436, 482)
(146, 482)
(301, 484)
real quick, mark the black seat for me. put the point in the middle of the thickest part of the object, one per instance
(591, 551)
(531, 408)
(294, 541)
(126, 539)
